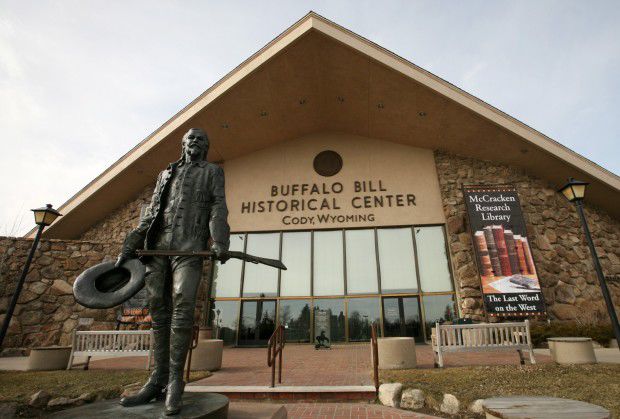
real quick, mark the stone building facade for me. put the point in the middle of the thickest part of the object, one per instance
(318, 89)
(47, 313)
(568, 279)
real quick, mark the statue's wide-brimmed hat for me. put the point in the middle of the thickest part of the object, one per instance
(105, 286)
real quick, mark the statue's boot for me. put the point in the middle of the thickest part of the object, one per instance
(155, 387)
(180, 339)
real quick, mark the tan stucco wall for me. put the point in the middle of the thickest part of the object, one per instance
(406, 175)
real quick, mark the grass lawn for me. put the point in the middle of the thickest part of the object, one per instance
(18, 386)
(598, 384)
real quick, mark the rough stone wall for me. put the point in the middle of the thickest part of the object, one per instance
(114, 227)
(46, 312)
(562, 258)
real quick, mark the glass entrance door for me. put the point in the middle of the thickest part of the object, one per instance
(401, 317)
(258, 321)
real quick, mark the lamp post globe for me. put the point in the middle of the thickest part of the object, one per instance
(575, 191)
(43, 217)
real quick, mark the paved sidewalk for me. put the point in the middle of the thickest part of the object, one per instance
(305, 366)
(342, 365)
(347, 410)
(302, 366)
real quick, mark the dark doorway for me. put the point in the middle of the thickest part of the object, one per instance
(258, 321)
(401, 317)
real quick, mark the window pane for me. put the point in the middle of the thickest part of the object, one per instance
(432, 259)
(361, 262)
(295, 280)
(226, 317)
(295, 317)
(328, 263)
(227, 277)
(329, 318)
(258, 321)
(438, 308)
(397, 260)
(362, 312)
(260, 279)
(401, 317)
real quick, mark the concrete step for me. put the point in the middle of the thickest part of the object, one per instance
(335, 393)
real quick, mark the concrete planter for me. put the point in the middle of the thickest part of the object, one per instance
(205, 333)
(572, 350)
(396, 353)
(49, 358)
(208, 355)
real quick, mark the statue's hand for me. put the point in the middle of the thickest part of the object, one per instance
(220, 252)
(126, 254)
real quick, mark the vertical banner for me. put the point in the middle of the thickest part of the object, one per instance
(510, 285)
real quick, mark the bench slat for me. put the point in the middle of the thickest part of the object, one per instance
(111, 343)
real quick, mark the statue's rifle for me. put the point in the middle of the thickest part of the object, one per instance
(205, 253)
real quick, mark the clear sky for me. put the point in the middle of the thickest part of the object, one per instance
(81, 82)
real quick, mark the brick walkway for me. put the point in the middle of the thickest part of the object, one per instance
(347, 410)
(305, 366)
(302, 366)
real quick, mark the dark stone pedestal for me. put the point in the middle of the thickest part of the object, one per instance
(195, 406)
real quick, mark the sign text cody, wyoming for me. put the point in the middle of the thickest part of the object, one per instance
(326, 198)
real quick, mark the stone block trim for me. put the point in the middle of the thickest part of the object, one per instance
(562, 258)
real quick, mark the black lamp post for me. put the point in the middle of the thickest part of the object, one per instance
(43, 217)
(574, 191)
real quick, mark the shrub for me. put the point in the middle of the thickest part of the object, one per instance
(601, 333)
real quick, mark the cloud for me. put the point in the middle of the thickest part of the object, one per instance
(82, 82)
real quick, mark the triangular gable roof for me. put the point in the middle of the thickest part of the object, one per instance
(99, 197)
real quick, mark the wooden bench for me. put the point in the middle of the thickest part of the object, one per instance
(482, 337)
(111, 343)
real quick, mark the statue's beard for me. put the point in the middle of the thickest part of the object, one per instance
(189, 155)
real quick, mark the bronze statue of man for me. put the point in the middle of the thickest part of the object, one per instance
(187, 209)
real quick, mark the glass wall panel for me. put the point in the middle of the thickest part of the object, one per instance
(329, 318)
(392, 317)
(396, 260)
(295, 280)
(258, 321)
(328, 263)
(261, 280)
(401, 317)
(227, 277)
(361, 262)
(411, 314)
(247, 328)
(432, 259)
(295, 317)
(226, 318)
(438, 308)
(362, 312)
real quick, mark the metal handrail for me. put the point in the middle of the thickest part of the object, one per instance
(275, 347)
(375, 355)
